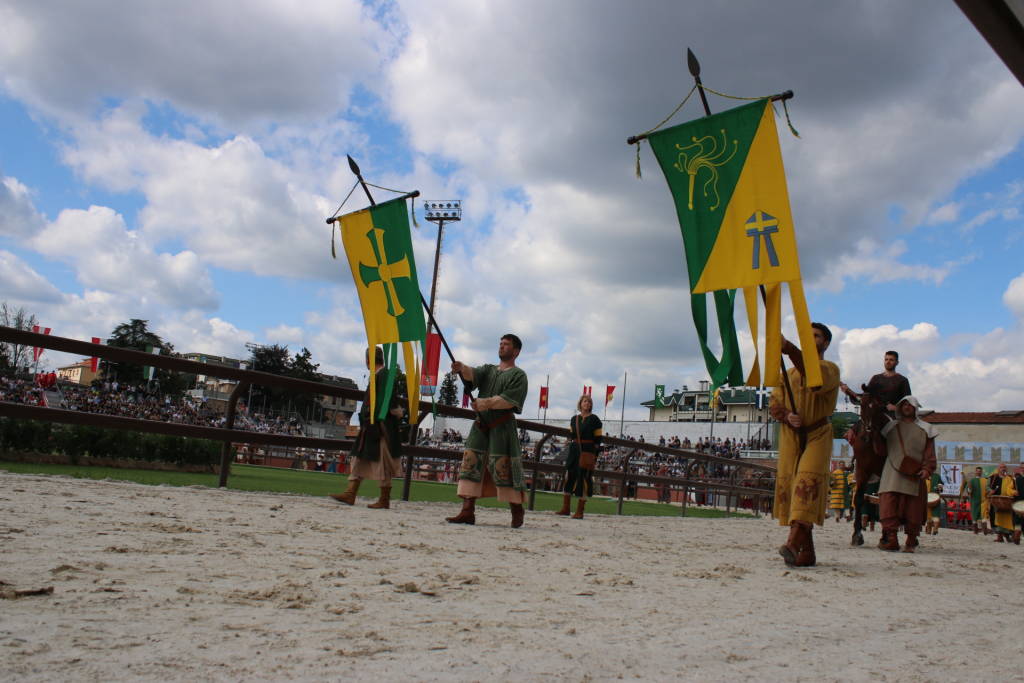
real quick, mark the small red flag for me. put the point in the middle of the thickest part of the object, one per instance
(544, 398)
(465, 399)
(609, 393)
(94, 361)
(432, 360)
(37, 351)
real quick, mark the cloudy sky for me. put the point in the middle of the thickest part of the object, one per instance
(175, 162)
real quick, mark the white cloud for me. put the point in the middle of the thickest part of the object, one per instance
(879, 263)
(19, 282)
(266, 61)
(946, 213)
(194, 332)
(285, 335)
(1013, 297)
(18, 215)
(107, 256)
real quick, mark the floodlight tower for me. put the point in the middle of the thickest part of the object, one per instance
(440, 212)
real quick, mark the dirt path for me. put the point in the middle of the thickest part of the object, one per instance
(167, 583)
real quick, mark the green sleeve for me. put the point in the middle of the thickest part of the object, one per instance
(514, 390)
(482, 376)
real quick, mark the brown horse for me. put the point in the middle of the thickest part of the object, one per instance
(868, 454)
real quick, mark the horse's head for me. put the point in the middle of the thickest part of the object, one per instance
(872, 408)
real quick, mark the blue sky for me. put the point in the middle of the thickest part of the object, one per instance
(189, 186)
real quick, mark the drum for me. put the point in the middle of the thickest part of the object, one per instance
(1018, 507)
(871, 498)
(933, 499)
(1001, 503)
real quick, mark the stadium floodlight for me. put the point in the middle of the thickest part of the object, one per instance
(443, 210)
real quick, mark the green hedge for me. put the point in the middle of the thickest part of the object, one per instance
(75, 441)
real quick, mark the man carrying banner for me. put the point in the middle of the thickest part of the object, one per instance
(378, 448)
(909, 463)
(492, 462)
(805, 448)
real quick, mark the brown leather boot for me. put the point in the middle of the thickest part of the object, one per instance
(975, 528)
(999, 538)
(890, 541)
(349, 496)
(928, 528)
(791, 548)
(518, 514)
(911, 544)
(467, 515)
(1016, 537)
(806, 557)
(384, 502)
(566, 504)
(580, 504)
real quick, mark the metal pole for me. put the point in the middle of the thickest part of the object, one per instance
(622, 411)
(433, 282)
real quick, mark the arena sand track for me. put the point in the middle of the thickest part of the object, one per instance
(162, 583)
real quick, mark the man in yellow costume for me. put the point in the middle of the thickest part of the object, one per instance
(1001, 483)
(805, 448)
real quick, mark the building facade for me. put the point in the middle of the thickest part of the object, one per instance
(78, 373)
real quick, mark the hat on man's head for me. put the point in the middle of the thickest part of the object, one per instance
(911, 400)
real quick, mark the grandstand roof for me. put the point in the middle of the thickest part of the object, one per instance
(1001, 417)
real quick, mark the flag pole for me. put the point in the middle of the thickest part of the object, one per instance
(431, 321)
(622, 411)
(694, 66)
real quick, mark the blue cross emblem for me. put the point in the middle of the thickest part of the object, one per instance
(763, 225)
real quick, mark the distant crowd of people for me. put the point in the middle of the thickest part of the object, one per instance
(140, 401)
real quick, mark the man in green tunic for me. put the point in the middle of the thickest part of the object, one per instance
(976, 489)
(492, 462)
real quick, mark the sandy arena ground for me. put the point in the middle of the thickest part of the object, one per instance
(163, 583)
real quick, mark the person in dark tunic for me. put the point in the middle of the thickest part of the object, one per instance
(888, 385)
(584, 442)
(378, 448)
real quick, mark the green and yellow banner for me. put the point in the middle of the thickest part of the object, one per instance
(726, 176)
(378, 245)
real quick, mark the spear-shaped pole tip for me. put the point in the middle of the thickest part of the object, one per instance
(353, 166)
(692, 63)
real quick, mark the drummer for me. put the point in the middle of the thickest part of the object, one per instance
(1002, 484)
(1018, 504)
(910, 461)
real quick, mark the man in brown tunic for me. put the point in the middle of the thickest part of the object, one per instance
(911, 460)
(888, 385)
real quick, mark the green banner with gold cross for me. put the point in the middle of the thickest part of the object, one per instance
(378, 245)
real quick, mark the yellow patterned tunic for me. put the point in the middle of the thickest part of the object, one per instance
(801, 486)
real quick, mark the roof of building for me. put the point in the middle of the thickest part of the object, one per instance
(85, 363)
(1001, 417)
(727, 396)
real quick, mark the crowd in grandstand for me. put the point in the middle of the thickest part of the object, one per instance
(14, 390)
(137, 401)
